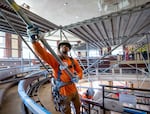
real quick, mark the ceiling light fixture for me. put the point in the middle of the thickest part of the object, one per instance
(66, 3)
(24, 5)
(99, 3)
(77, 17)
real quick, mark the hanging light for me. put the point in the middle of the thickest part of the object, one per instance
(99, 3)
(24, 5)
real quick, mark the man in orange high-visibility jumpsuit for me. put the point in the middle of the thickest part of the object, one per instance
(68, 92)
(87, 95)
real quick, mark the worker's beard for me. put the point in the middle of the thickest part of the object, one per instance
(64, 52)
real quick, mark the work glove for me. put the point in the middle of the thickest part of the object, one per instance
(59, 84)
(75, 79)
(33, 33)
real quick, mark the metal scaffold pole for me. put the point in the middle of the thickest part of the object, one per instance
(27, 21)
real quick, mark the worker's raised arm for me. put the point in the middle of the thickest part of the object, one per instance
(40, 50)
(44, 55)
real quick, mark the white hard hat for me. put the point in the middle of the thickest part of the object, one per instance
(90, 91)
(64, 42)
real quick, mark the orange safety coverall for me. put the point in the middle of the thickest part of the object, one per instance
(87, 97)
(47, 57)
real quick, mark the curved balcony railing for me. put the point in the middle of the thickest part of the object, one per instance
(24, 86)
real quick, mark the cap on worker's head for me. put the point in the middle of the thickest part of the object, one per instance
(64, 42)
(90, 91)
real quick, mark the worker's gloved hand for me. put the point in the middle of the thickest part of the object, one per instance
(59, 84)
(33, 32)
(75, 79)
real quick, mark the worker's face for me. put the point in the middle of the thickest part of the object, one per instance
(64, 49)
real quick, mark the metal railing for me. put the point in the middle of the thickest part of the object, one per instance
(126, 100)
(24, 87)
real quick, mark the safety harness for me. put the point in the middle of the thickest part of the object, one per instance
(58, 80)
(57, 98)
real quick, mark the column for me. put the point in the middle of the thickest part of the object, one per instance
(19, 47)
(8, 44)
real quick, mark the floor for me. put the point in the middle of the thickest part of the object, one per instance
(12, 102)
